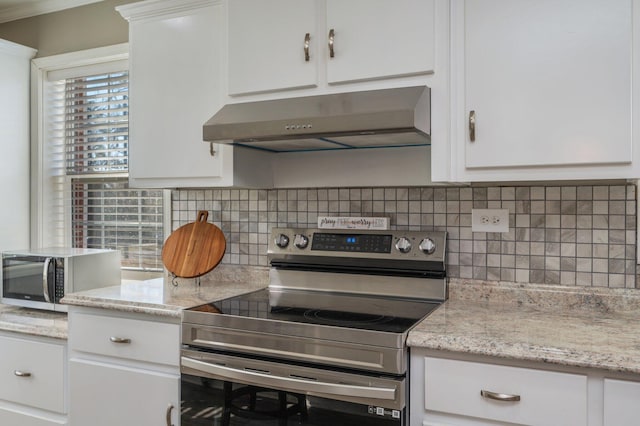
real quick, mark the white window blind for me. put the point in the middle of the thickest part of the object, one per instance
(86, 153)
(96, 124)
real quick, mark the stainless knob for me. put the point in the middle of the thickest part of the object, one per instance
(282, 241)
(427, 245)
(403, 245)
(300, 241)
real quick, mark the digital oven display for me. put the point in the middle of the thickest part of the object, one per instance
(364, 243)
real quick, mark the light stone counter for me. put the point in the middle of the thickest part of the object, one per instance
(33, 322)
(595, 328)
(168, 297)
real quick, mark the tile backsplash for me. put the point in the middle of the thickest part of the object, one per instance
(570, 235)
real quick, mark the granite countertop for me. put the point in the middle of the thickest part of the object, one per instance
(33, 322)
(569, 326)
(153, 297)
(169, 297)
(553, 324)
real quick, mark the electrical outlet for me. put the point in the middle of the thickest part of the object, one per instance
(490, 220)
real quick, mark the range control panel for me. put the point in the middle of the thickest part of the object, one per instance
(286, 243)
(373, 243)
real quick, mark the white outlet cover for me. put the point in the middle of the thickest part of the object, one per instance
(490, 220)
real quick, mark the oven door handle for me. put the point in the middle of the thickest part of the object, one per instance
(289, 383)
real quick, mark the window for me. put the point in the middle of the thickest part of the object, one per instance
(83, 151)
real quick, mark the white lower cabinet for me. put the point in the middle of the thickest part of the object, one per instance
(124, 369)
(32, 381)
(621, 402)
(108, 394)
(18, 418)
(450, 389)
(507, 394)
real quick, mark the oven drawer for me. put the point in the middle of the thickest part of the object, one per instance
(386, 392)
(133, 339)
(508, 394)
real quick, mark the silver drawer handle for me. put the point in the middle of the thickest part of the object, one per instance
(499, 396)
(22, 373)
(119, 339)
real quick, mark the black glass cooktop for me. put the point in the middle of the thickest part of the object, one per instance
(376, 313)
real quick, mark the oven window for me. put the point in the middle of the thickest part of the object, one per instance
(215, 402)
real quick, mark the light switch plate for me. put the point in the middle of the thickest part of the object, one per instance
(490, 220)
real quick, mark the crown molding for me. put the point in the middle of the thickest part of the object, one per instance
(34, 8)
(153, 8)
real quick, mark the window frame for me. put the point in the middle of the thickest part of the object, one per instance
(40, 67)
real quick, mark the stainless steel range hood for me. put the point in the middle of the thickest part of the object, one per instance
(368, 119)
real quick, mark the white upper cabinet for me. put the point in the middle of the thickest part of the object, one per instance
(14, 142)
(375, 39)
(176, 85)
(268, 42)
(549, 86)
(266, 45)
(174, 88)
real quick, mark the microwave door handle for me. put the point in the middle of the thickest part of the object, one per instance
(290, 383)
(45, 279)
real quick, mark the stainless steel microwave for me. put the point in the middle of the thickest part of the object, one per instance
(40, 278)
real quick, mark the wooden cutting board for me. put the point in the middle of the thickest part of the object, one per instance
(194, 249)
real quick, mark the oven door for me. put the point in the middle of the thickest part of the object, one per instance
(229, 390)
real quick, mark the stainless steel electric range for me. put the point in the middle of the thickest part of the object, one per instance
(325, 343)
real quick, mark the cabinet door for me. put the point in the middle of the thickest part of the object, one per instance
(14, 143)
(107, 395)
(379, 39)
(621, 402)
(549, 82)
(266, 45)
(175, 87)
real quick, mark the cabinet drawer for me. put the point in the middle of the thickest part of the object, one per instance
(10, 417)
(546, 397)
(140, 340)
(42, 366)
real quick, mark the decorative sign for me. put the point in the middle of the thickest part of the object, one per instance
(345, 222)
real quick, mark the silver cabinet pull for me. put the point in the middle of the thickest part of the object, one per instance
(168, 415)
(21, 373)
(472, 126)
(499, 396)
(331, 37)
(119, 339)
(307, 40)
